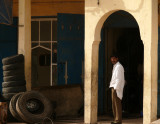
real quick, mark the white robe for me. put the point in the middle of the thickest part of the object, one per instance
(117, 80)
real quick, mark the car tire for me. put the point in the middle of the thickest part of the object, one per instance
(13, 59)
(24, 104)
(13, 72)
(14, 89)
(13, 67)
(8, 96)
(13, 84)
(14, 78)
(12, 106)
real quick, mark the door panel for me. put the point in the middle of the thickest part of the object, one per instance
(70, 48)
(101, 75)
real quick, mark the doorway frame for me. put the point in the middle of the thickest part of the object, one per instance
(147, 20)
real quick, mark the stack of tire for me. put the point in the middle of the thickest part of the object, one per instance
(14, 79)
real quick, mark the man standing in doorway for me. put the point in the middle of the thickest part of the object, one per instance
(117, 85)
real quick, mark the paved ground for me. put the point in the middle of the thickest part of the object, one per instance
(101, 120)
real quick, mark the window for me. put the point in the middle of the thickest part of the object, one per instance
(44, 51)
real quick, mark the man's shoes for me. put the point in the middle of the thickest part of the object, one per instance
(116, 123)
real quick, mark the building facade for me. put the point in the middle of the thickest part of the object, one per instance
(70, 42)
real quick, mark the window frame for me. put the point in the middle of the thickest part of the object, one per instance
(52, 42)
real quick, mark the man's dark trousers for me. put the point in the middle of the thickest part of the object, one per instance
(116, 107)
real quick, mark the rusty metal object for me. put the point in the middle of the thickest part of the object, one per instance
(3, 112)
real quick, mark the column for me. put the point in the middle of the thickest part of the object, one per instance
(91, 82)
(150, 64)
(24, 37)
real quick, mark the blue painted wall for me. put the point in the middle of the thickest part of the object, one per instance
(8, 43)
(101, 75)
(70, 47)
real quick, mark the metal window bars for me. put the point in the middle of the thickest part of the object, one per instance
(48, 49)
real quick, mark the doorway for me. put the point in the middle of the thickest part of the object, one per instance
(121, 35)
(127, 43)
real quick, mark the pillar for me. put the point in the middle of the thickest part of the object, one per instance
(24, 37)
(91, 82)
(150, 38)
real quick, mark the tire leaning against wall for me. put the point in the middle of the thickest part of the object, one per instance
(12, 106)
(26, 115)
(13, 59)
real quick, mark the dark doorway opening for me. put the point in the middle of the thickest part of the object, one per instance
(121, 35)
(130, 49)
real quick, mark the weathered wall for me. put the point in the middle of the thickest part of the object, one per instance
(146, 14)
(52, 7)
(68, 98)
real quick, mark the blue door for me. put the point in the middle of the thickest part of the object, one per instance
(8, 42)
(101, 75)
(70, 47)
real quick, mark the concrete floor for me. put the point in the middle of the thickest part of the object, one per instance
(101, 120)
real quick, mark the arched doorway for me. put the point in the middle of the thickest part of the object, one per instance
(95, 16)
(120, 34)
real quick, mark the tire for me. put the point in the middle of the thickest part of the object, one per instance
(13, 67)
(13, 84)
(30, 115)
(13, 59)
(14, 89)
(8, 96)
(12, 106)
(13, 72)
(14, 78)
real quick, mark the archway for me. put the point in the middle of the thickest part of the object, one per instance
(120, 34)
(95, 17)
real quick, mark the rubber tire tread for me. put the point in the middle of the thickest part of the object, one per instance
(13, 59)
(13, 72)
(8, 96)
(14, 78)
(13, 84)
(12, 107)
(14, 89)
(25, 114)
(13, 67)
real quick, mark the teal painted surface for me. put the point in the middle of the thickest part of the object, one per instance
(101, 76)
(70, 47)
(8, 42)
